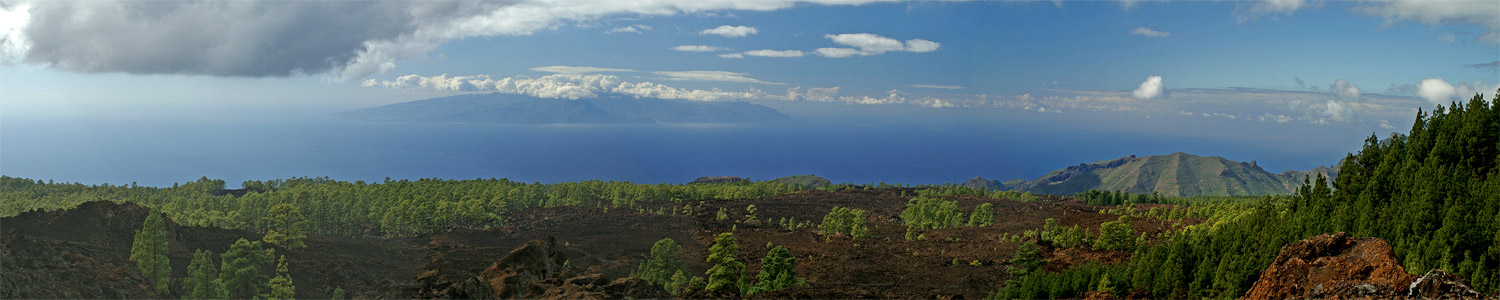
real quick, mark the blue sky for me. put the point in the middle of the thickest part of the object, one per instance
(165, 91)
(1297, 64)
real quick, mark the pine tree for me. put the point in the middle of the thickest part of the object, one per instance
(244, 267)
(282, 286)
(149, 251)
(727, 273)
(202, 281)
(663, 263)
(984, 215)
(777, 271)
(288, 227)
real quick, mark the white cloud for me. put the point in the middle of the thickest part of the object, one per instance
(921, 45)
(1335, 110)
(637, 28)
(838, 52)
(731, 31)
(1385, 124)
(872, 44)
(698, 48)
(774, 53)
(560, 86)
(1151, 88)
(1344, 89)
(1258, 9)
(827, 94)
(1436, 90)
(577, 70)
(937, 86)
(1435, 13)
(192, 38)
(1147, 32)
(732, 55)
(711, 76)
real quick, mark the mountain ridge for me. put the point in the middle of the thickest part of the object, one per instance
(1176, 174)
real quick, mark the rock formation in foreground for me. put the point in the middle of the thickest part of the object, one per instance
(1336, 266)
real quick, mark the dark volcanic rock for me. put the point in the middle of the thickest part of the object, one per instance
(535, 270)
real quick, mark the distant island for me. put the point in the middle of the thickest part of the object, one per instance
(522, 109)
(1177, 174)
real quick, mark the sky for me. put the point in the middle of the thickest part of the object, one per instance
(1253, 68)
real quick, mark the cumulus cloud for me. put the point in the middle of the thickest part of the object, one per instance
(577, 70)
(864, 44)
(698, 48)
(711, 76)
(1437, 13)
(1258, 9)
(773, 53)
(1440, 91)
(730, 31)
(559, 86)
(1335, 110)
(1151, 88)
(937, 86)
(351, 40)
(637, 29)
(1147, 32)
(1343, 88)
(1436, 90)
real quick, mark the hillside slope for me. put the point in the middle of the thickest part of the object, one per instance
(1176, 174)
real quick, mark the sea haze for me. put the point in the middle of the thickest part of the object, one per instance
(846, 143)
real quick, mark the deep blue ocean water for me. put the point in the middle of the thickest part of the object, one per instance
(843, 143)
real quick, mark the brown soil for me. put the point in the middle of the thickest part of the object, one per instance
(86, 249)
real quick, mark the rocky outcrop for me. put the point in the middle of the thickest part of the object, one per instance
(1336, 266)
(535, 270)
(1440, 284)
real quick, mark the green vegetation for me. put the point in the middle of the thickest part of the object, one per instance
(338, 293)
(396, 208)
(1116, 235)
(726, 273)
(664, 265)
(959, 190)
(1177, 174)
(1434, 195)
(923, 213)
(202, 280)
(281, 285)
(804, 181)
(984, 215)
(843, 220)
(288, 228)
(244, 271)
(777, 271)
(1027, 259)
(149, 251)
